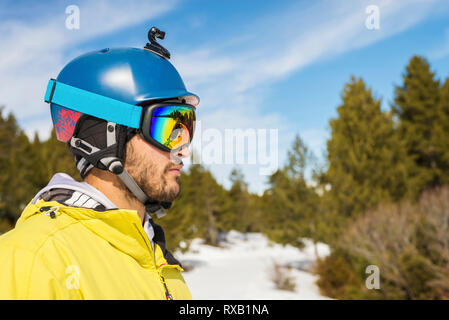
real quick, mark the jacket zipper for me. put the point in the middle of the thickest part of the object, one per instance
(167, 293)
(168, 296)
(160, 269)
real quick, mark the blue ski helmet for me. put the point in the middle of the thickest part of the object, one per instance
(130, 75)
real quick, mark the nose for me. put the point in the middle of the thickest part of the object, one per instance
(184, 152)
(179, 154)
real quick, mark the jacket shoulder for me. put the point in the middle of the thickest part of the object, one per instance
(24, 272)
(32, 233)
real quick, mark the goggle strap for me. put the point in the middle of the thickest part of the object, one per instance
(93, 104)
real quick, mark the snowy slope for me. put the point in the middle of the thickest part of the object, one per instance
(242, 268)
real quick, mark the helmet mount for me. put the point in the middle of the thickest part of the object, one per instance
(154, 46)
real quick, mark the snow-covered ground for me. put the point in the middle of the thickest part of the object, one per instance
(242, 268)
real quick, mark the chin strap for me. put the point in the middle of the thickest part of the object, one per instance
(108, 159)
(153, 206)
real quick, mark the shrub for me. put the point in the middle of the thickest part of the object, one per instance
(336, 276)
(409, 242)
(280, 275)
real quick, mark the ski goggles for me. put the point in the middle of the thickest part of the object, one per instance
(166, 125)
(169, 126)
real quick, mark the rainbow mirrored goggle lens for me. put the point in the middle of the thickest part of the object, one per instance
(172, 126)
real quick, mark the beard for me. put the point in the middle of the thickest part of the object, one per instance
(149, 177)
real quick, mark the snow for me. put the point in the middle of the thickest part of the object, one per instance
(241, 268)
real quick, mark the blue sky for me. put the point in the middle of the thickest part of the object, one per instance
(255, 65)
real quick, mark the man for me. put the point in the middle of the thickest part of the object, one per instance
(128, 120)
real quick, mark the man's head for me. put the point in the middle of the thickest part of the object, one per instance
(99, 102)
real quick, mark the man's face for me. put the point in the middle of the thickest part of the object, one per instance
(157, 172)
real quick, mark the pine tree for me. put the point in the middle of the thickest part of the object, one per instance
(298, 158)
(416, 106)
(207, 203)
(237, 210)
(367, 162)
(15, 169)
(441, 136)
(290, 204)
(55, 157)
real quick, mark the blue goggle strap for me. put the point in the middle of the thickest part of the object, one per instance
(93, 104)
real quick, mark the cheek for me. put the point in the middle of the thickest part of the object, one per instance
(154, 164)
(152, 157)
(157, 161)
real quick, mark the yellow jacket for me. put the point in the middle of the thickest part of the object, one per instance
(79, 253)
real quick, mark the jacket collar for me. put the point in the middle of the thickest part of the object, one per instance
(64, 181)
(121, 228)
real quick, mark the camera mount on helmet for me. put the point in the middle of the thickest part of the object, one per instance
(154, 46)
